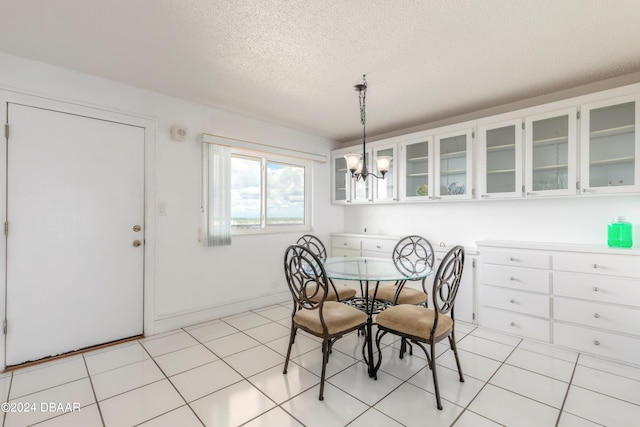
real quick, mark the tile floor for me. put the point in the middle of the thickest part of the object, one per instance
(228, 372)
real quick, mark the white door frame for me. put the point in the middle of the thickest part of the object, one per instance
(149, 124)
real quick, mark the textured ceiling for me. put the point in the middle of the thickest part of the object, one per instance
(294, 62)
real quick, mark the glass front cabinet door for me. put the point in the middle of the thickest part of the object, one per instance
(417, 177)
(341, 180)
(501, 159)
(550, 153)
(453, 176)
(610, 143)
(385, 189)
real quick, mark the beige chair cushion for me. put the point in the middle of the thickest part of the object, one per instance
(407, 295)
(414, 320)
(344, 292)
(337, 316)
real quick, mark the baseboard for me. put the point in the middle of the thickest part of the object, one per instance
(184, 319)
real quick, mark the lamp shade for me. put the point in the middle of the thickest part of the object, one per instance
(384, 162)
(353, 161)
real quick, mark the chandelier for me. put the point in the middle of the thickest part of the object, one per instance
(356, 163)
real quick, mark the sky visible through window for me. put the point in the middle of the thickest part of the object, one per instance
(284, 193)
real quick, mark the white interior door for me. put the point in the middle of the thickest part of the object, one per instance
(75, 191)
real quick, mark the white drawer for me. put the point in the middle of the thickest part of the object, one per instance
(517, 259)
(597, 288)
(600, 343)
(345, 243)
(521, 302)
(379, 245)
(528, 279)
(338, 252)
(597, 315)
(513, 323)
(601, 264)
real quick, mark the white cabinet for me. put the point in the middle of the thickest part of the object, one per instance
(550, 153)
(579, 296)
(453, 165)
(386, 189)
(610, 145)
(513, 294)
(500, 146)
(416, 159)
(340, 179)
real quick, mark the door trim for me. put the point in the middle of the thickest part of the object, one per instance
(149, 124)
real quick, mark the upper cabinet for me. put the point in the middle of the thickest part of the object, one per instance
(578, 146)
(609, 146)
(453, 161)
(416, 157)
(550, 153)
(500, 146)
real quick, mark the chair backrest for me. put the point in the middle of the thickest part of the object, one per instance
(447, 281)
(413, 254)
(306, 277)
(314, 244)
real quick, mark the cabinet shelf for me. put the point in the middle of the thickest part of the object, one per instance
(551, 141)
(549, 167)
(453, 154)
(612, 161)
(418, 159)
(501, 147)
(453, 172)
(612, 131)
(499, 171)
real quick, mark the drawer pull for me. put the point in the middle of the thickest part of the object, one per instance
(596, 289)
(345, 243)
(596, 266)
(512, 324)
(596, 342)
(512, 259)
(378, 246)
(512, 278)
(596, 315)
(512, 301)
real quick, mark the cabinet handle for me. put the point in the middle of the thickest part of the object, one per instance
(378, 246)
(512, 278)
(596, 266)
(345, 243)
(512, 324)
(512, 301)
(512, 259)
(596, 315)
(596, 289)
(596, 342)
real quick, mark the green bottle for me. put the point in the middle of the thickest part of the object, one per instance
(619, 233)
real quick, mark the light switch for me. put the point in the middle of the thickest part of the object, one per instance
(162, 208)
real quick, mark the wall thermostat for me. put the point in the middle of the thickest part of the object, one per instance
(178, 133)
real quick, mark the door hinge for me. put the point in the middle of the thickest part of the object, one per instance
(522, 125)
(577, 185)
(6, 130)
(6, 228)
(578, 115)
(4, 327)
(473, 316)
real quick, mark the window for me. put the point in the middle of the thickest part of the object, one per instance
(269, 192)
(264, 193)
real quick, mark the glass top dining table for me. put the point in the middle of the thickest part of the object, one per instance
(370, 272)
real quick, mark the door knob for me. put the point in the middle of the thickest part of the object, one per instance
(136, 243)
(137, 228)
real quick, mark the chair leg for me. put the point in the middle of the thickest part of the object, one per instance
(435, 377)
(325, 359)
(292, 337)
(452, 344)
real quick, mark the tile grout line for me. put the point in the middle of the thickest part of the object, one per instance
(93, 390)
(566, 395)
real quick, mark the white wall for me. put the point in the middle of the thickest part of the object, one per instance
(580, 219)
(191, 282)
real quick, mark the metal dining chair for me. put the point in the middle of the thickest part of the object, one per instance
(410, 255)
(336, 292)
(312, 311)
(423, 326)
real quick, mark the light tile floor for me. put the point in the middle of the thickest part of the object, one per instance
(228, 372)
